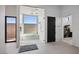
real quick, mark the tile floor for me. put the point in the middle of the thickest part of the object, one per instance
(46, 48)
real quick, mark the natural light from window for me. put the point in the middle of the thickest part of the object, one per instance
(30, 19)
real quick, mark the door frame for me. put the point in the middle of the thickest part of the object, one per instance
(6, 29)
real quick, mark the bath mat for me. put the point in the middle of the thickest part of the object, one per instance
(28, 48)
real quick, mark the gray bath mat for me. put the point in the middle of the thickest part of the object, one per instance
(28, 48)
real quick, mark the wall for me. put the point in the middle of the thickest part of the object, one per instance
(74, 11)
(11, 10)
(2, 29)
(54, 11)
(51, 10)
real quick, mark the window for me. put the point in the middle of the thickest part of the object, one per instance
(10, 28)
(11, 20)
(30, 19)
(30, 24)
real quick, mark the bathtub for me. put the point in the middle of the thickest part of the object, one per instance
(30, 36)
(28, 39)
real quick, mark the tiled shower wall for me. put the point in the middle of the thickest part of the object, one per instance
(24, 10)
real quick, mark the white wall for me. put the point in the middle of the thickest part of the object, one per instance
(51, 10)
(74, 11)
(11, 10)
(54, 11)
(2, 29)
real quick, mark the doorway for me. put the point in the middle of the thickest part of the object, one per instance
(10, 29)
(50, 29)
